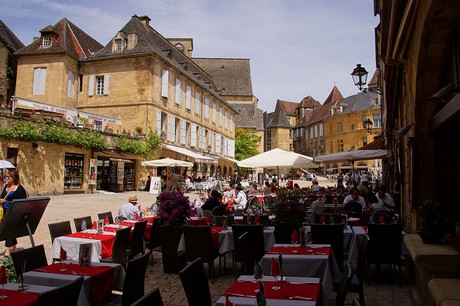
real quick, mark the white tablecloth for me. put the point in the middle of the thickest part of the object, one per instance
(246, 301)
(57, 280)
(322, 266)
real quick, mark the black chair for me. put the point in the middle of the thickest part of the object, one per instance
(155, 240)
(198, 244)
(30, 259)
(133, 284)
(353, 209)
(120, 247)
(195, 284)
(378, 215)
(256, 236)
(384, 245)
(332, 234)
(283, 233)
(344, 284)
(364, 218)
(64, 295)
(79, 221)
(59, 229)
(108, 214)
(207, 213)
(137, 241)
(218, 210)
(247, 253)
(152, 298)
(337, 218)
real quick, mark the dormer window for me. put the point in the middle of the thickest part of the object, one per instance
(118, 44)
(46, 41)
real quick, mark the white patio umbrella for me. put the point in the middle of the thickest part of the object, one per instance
(276, 158)
(166, 162)
(352, 156)
(4, 164)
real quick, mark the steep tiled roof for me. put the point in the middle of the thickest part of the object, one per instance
(248, 116)
(70, 39)
(278, 119)
(232, 76)
(308, 102)
(287, 107)
(323, 112)
(150, 42)
(8, 38)
(374, 81)
(358, 102)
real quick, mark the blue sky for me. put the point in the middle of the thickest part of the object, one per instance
(297, 48)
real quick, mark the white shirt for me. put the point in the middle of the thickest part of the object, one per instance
(359, 200)
(241, 200)
(384, 202)
(128, 211)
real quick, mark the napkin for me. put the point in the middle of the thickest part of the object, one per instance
(294, 236)
(94, 224)
(382, 219)
(227, 302)
(275, 267)
(137, 216)
(3, 279)
(257, 219)
(106, 220)
(323, 218)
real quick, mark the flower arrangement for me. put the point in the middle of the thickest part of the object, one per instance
(289, 208)
(10, 271)
(174, 207)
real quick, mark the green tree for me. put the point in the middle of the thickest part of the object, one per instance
(246, 143)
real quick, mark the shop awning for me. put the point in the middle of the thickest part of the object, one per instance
(195, 156)
(114, 156)
(228, 159)
(377, 144)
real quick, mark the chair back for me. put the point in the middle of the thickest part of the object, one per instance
(207, 213)
(120, 246)
(195, 284)
(59, 229)
(376, 217)
(337, 218)
(344, 285)
(152, 298)
(219, 220)
(137, 241)
(353, 209)
(133, 285)
(332, 234)
(108, 214)
(155, 241)
(364, 218)
(384, 245)
(218, 210)
(79, 221)
(64, 295)
(246, 252)
(198, 243)
(255, 235)
(31, 258)
(361, 262)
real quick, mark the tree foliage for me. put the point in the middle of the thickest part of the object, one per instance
(246, 143)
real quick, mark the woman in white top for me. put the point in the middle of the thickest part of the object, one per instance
(241, 200)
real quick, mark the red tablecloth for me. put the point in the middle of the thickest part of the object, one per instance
(354, 221)
(18, 298)
(215, 230)
(106, 241)
(297, 250)
(199, 221)
(365, 228)
(275, 290)
(102, 277)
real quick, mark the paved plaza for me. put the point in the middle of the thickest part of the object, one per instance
(67, 207)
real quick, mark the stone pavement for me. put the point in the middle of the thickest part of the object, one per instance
(67, 207)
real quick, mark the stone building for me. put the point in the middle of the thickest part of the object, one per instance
(147, 82)
(303, 112)
(9, 43)
(279, 126)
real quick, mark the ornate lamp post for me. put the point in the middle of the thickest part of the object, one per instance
(359, 76)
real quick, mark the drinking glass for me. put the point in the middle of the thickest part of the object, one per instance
(83, 225)
(213, 221)
(331, 220)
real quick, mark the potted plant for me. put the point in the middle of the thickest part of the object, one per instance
(430, 230)
(174, 208)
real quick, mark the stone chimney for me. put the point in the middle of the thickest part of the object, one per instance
(145, 20)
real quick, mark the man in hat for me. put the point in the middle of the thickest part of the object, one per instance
(129, 210)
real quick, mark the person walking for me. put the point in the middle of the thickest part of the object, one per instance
(12, 191)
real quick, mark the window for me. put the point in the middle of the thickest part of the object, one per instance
(164, 83)
(311, 132)
(46, 41)
(214, 112)
(269, 145)
(321, 129)
(269, 135)
(377, 120)
(352, 127)
(197, 102)
(98, 125)
(70, 84)
(118, 44)
(363, 120)
(231, 123)
(226, 120)
(39, 81)
(102, 85)
(340, 145)
(364, 141)
(220, 116)
(188, 96)
(290, 134)
(193, 133)
(206, 108)
(339, 127)
(178, 91)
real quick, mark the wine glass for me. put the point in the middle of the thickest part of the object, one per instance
(258, 272)
(213, 221)
(331, 220)
(83, 225)
(308, 241)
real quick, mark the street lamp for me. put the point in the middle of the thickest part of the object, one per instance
(368, 125)
(359, 76)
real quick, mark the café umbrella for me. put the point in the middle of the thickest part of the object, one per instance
(4, 164)
(352, 156)
(166, 162)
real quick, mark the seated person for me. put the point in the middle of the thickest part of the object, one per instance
(267, 189)
(297, 188)
(129, 210)
(241, 200)
(315, 186)
(253, 190)
(384, 201)
(354, 197)
(212, 201)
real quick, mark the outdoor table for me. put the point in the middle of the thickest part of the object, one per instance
(11, 296)
(148, 227)
(317, 260)
(101, 244)
(295, 291)
(99, 279)
(196, 221)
